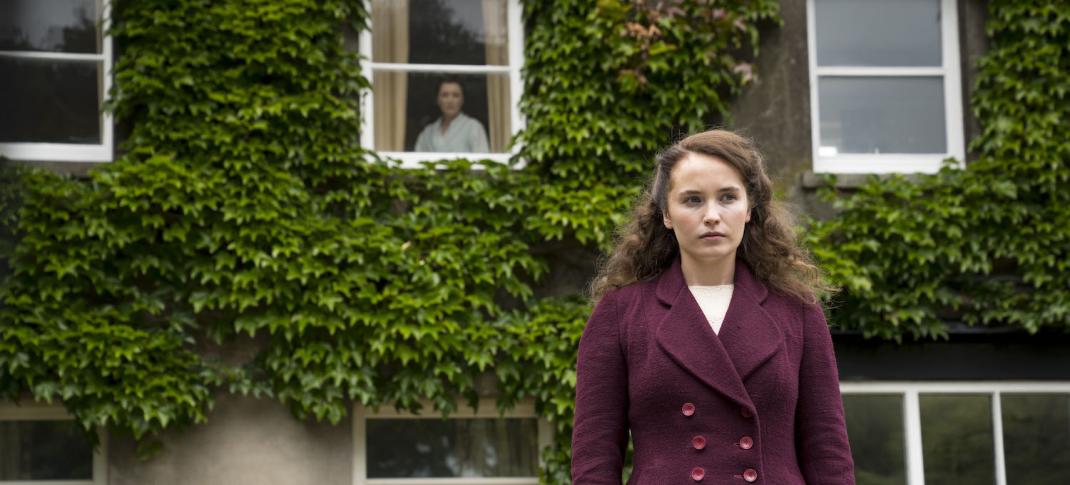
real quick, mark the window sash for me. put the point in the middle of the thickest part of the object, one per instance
(515, 29)
(893, 162)
(31, 411)
(487, 410)
(911, 392)
(73, 152)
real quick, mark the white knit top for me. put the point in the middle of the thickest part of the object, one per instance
(713, 300)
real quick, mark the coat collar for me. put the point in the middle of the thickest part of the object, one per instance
(748, 337)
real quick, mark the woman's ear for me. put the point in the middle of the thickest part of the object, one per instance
(668, 222)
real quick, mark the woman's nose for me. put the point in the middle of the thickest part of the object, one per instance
(712, 215)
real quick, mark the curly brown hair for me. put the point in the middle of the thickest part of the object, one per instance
(645, 247)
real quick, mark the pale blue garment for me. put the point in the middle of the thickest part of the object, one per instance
(464, 135)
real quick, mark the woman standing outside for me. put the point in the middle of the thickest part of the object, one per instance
(707, 343)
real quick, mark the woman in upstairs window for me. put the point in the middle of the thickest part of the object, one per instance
(707, 343)
(454, 131)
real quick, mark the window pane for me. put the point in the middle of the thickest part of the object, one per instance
(49, 25)
(409, 108)
(956, 437)
(875, 428)
(1036, 438)
(878, 32)
(440, 32)
(399, 448)
(882, 115)
(49, 101)
(44, 450)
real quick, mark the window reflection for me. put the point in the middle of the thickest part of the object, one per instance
(49, 25)
(469, 32)
(957, 440)
(44, 450)
(1036, 438)
(400, 448)
(50, 101)
(875, 429)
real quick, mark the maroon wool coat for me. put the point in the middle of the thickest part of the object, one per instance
(759, 402)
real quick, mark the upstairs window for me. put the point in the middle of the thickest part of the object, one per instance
(445, 78)
(54, 64)
(884, 85)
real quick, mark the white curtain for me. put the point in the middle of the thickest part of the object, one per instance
(498, 103)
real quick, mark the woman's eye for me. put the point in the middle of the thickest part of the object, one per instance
(728, 197)
(694, 199)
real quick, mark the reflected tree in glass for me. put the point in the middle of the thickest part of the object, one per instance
(875, 428)
(1036, 438)
(957, 439)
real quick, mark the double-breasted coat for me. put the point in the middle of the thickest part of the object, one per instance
(757, 403)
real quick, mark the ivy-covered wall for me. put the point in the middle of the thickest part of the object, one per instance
(243, 206)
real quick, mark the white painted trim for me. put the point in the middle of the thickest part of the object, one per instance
(36, 411)
(53, 56)
(367, 102)
(487, 409)
(455, 481)
(893, 163)
(882, 163)
(360, 455)
(954, 387)
(451, 68)
(414, 159)
(956, 144)
(515, 36)
(997, 438)
(842, 71)
(815, 106)
(75, 152)
(912, 435)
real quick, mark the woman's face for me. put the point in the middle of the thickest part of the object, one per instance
(450, 99)
(707, 209)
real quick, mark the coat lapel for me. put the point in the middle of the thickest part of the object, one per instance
(748, 336)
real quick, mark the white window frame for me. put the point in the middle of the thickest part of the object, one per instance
(487, 410)
(910, 392)
(894, 162)
(32, 411)
(73, 152)
(515, 35)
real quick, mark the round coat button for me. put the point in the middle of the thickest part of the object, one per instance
(698, 442)
(750, 475)
(688, 409)
(746, 442)
(697, 474)
(746, 413)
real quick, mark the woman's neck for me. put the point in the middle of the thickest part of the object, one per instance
(708, 273)
(446, 120)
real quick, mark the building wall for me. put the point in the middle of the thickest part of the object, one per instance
(245, 441)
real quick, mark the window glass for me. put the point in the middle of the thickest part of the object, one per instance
(1036, 438)
(875, 429)
(878, 32)
(957, 440)
(49, 25)
(44, 450)
(881, 115)
(468, 32)
(442, 448)
(50, 101)
(409, 108)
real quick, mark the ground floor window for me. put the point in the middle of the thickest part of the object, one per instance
(470, 447)
(1003, 433)
(43, 444)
